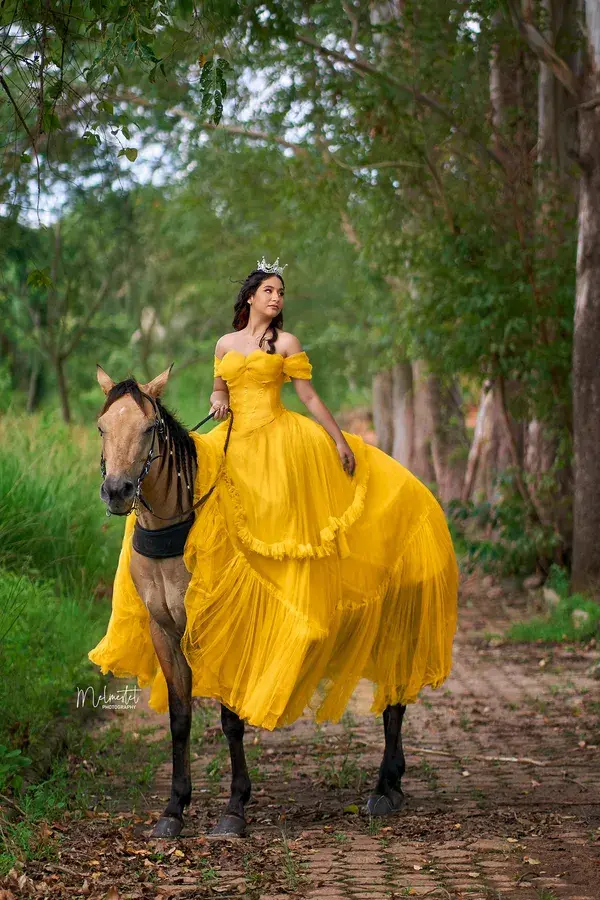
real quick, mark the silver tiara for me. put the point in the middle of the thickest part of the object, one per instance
(272, 268)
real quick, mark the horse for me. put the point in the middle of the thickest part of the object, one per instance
(149, 464)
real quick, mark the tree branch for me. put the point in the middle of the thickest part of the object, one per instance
(255, 135)
(359, 64)
(82, 327)
(251, 133)
(545, 51)
(529, 499)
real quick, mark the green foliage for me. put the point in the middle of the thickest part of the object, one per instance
(55, 548)
(49, 525)
(111, 46)
(12, 763)
(43, 655)
(500, 537)
(559, 624)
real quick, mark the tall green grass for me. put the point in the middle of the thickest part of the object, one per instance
(52, 521)
(43, 654)
(56, 546)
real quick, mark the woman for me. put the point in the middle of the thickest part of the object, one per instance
(257, 320)
(333, 561)
(316, 560)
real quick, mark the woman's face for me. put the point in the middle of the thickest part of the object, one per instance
(268, 298)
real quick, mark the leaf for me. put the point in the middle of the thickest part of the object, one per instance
(206, 73)
(222, 84)
(105, 106)
(218, 108)
(40, 278)
(55, 90)
(351, 808)
(130, 152)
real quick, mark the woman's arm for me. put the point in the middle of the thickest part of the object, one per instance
(314, 404)
(219, 399)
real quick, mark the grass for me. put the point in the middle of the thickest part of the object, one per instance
(347, 775)
(429, 774)
(215, 769)
(56, 549)
(290, 865)
(108, 772)
(43, 655)
(558, 625)
(52, 522)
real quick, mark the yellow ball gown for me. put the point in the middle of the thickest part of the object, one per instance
(303, 579)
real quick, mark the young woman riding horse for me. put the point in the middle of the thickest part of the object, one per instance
(272, 555)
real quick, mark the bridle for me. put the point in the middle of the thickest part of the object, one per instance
(158, 428)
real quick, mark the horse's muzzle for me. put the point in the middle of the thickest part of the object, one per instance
(118, 493)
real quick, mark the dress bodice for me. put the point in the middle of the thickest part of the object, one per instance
(254, 383)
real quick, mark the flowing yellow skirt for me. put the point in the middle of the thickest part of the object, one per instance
(303, 580)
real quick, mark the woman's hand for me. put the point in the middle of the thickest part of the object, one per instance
(346, 456)
(219, 409)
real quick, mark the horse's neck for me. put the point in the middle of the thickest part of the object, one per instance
(163, 499)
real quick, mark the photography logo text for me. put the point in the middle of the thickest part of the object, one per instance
(124, 698)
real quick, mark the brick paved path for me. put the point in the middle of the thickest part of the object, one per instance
(502, 786)
(476, 823)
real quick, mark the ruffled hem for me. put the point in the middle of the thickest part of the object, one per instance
(332, 536)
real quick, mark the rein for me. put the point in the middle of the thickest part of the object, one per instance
(158, 427)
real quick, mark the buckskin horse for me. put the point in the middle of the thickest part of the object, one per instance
(149, 464)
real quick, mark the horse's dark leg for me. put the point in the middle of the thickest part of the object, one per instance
(388, 797)
(233, 821)
(179, 683)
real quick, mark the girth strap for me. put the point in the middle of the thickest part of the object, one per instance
(162, 543)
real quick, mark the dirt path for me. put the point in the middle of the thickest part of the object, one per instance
(473, 827)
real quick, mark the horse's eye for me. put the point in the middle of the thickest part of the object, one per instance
(100, 430)
(149, 430)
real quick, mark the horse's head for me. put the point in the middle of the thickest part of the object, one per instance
(129, 423)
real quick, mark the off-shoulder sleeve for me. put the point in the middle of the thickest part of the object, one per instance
(296, 366)
(216, 366)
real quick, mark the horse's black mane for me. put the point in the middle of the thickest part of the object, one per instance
(175, 447)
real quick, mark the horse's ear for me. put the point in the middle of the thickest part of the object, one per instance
(104, 380)
(155, 387)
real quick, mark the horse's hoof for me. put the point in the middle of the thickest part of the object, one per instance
(167, 826)
(379, 805)
(229, 825)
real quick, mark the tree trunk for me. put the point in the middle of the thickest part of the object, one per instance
(63, 391)
(403, 413)
(542, 439)
(476, 451)
(382, 410)
(586, 371)
(489, 454)
(34, 382)
(449, 439)
(421, 460)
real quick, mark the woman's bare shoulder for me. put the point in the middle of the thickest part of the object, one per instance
(288, 343)
(224, 344)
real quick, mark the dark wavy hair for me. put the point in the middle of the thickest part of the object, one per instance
(242, 309)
